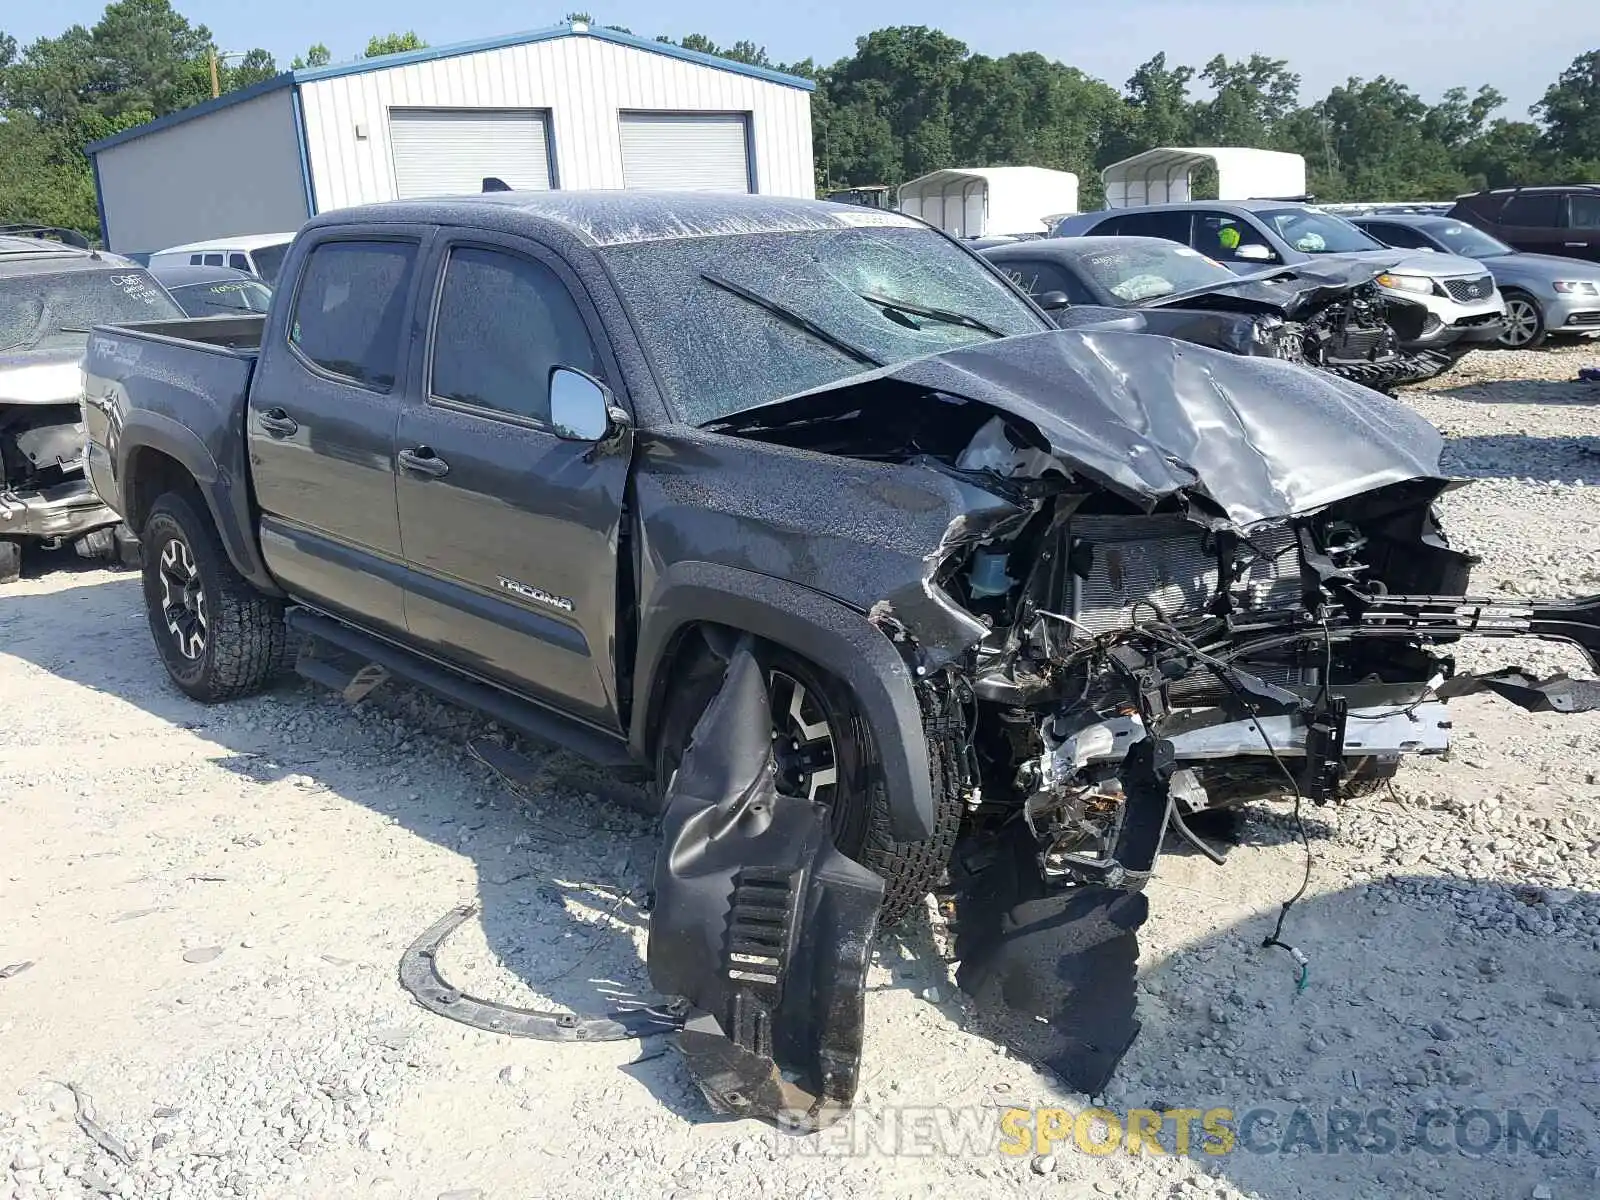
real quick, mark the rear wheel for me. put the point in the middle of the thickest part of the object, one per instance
(218, 637)
(1524, 323)
(824, 751)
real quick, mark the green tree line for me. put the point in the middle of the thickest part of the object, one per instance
(909, 100)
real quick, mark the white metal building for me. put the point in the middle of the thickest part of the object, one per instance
(568, 107)
(1164, 175)
(975, 201)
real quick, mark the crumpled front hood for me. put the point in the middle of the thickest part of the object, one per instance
(52, 377)
(1286, 291)
(1150, 418)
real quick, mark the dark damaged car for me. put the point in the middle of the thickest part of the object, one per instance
(808, 512)
(1331, 316)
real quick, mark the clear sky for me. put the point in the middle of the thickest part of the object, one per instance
(1429, 44)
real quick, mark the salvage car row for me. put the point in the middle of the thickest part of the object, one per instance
(53, 288)
(814, 519)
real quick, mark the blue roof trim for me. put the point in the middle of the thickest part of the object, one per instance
(432, 53)
(617, 37)
(227, 100)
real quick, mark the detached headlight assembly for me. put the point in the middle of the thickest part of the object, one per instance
(1419, 284)
(1577, 287)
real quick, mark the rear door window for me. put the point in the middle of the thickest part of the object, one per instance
(504, 322)
(1173, 226)
(1583, 211)
(1532, 210)
(349, 308)
(212, 260)
(1398, 235)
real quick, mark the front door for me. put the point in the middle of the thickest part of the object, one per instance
(511, 533)
(321, 425)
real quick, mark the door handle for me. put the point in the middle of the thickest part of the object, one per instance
(1576, 245)
(278, 423)
(423, 461)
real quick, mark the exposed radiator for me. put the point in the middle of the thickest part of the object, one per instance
(1164, 560)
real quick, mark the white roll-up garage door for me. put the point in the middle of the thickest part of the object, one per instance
(686, 152)
(448, 152)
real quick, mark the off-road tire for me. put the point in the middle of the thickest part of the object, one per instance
(10, 560)
(245, 642)
(909, 870)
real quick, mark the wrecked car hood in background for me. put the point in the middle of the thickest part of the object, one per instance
(1152, 419)
(1285, 292)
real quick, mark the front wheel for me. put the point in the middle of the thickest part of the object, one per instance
(1524, 324)
(824, 751)
(218, 637)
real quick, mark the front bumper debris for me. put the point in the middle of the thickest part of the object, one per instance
(760, 923)
(63, 510)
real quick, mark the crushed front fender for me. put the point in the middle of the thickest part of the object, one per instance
(760, 923)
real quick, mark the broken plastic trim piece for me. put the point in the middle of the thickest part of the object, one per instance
(419, 975)
(1053, 970)
(760, 922)
(1556, 694)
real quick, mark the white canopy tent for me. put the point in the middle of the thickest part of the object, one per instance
(981, 201)
(1163, 175)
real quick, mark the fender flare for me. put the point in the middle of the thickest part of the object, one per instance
(838, 639)
(225, 492)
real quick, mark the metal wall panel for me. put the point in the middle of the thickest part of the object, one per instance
(583, 82)
(234, 171)
(449, 151)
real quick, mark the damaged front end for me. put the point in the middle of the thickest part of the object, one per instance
(1196, 580)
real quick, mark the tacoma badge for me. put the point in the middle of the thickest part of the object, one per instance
(537, 595)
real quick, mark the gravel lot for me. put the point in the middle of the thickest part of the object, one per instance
(213, 903)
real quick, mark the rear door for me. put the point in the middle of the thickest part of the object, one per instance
(1580, 235)
(321, 423)
(511, 533)
(1530, 221)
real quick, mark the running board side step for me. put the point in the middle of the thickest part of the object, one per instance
(379, 658)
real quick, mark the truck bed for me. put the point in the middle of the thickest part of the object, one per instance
(216, 333)
(187, 380)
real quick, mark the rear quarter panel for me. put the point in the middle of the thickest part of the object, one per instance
(178, 389)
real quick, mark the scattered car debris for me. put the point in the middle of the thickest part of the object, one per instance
(11, 970)
(760, 922)
(202, 954)
(98, 1133)
(419, 975)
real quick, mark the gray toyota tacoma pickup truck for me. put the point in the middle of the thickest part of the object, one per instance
(810, 514)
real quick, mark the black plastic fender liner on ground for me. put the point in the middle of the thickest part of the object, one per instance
(419, 975)
(1054, 970)
(760, 923)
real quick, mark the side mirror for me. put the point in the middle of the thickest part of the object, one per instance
(1051, 301)
(1252, 252)
(580, 407)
